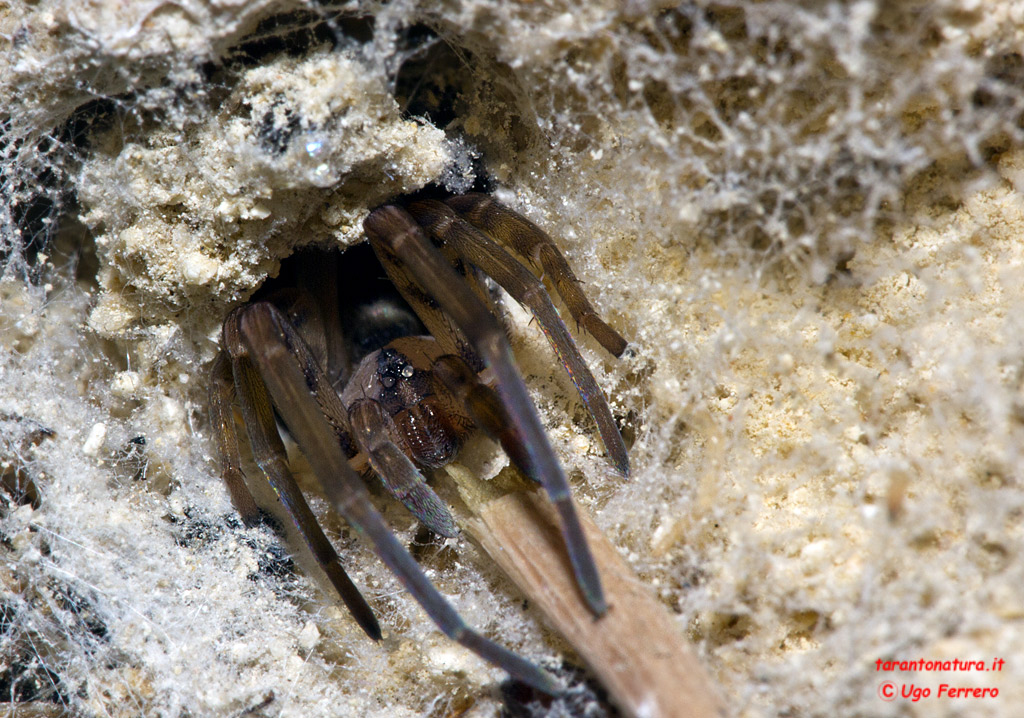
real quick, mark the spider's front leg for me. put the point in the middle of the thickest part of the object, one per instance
(528, 240)
(404, 250)
(235, 366)
(480, 250)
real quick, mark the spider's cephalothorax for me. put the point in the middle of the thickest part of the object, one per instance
(418, 371)
(427, 422)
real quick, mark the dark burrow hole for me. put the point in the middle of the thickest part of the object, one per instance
(371, 310)
(432, 78)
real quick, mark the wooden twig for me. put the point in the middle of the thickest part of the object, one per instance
(636, 650)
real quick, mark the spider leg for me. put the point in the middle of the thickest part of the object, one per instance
(439, 324)
(305, 317)
(316, 274)
(399, 475)
(530, 241)
(269, 453)
(222, 419)
(262, 330)
(484, 406)
(393, 233)
(305, 330)
(483, 252)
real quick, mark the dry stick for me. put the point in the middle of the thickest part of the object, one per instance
(636, 650)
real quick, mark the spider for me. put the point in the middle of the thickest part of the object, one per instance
(408, 399)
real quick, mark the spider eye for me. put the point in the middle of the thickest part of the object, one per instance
(408, 371)
(387, 381)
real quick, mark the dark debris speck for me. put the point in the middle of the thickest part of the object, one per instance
(583, 697)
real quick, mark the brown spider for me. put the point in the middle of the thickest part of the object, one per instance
(411, 399)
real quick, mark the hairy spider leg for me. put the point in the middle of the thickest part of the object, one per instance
(222, 419)
(483, 404)
(318, 276)
(394, 234)
(400, 476)
(481, 251)
(305, 332)
(533, 244)
(262, 329)
(269, 453)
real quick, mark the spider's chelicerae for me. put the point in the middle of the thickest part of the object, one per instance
(416, 376)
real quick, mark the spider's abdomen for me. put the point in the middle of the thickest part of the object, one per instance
(425, 420)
